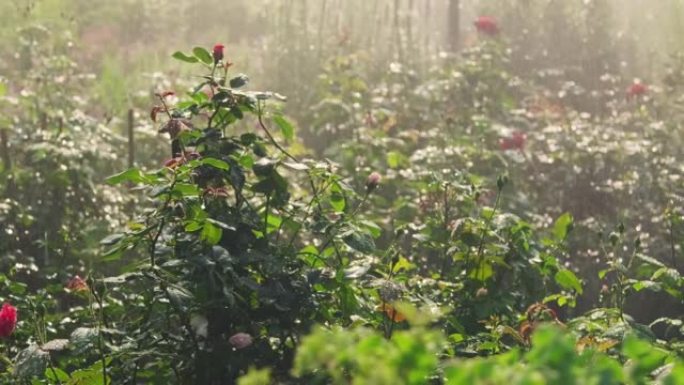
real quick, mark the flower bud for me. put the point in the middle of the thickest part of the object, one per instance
(218, 53)
(373, 181)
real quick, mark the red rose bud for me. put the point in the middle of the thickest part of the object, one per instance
(487, 25)
(373, 181)
(8, 320)
(240, 340)
(637, 89)
(218, 53)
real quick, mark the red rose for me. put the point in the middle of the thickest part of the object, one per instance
(8, 320)
(514, 142)
(218, 53)
(637, 89)
(487, 25)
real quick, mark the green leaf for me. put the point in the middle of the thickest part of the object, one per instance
(178, 55)
(286, 127)
(90, 376)
(372, 228)
(216, 163)
(649, 260)
(56, 375)
(357, 270)
(563, 226)
(256, 377)
(82, 337)
(112, 239)
(337, 199)
(482, 272)
(186, 189)
(30, 362)
(211, 234)
(403, 264)
(396, 159)
(360, 242)
(239, 81)
(640, 285)
(568, 280)
(133, 175)
(193, 226)
(203, 55)
(274, 222)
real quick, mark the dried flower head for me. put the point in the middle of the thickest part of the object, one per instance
(77, 284)
(240, 340)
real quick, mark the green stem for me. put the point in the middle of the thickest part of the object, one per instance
(480, 247)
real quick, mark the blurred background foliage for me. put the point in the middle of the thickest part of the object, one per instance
(539, 162)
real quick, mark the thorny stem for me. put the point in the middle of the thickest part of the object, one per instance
(480, 247)
(673, 253)
(166, 107)
(287, 154)
(260, 114)
(339, 221)
(310, 205)
(93, 297)
(614, 261)
(445, 261)
(266, 210)
(162, 223)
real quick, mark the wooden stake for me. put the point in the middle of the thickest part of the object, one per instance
(454, 26)
(131, 139)
(4, 147)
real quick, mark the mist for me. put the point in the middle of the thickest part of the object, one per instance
(341, 191)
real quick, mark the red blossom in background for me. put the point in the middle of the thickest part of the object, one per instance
(8, 320)
(516, 141)
(637, 89)
(77, 284)
(218, 53)
(487, 25)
